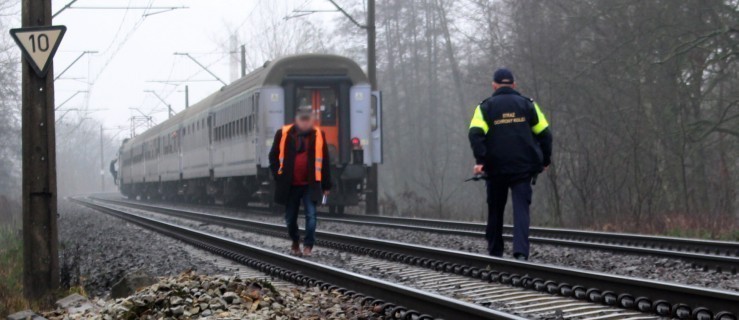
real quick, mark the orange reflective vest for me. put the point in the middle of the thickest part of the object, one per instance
(318, 147)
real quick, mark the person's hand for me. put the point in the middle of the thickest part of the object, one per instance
(326, 192)
(477, 169)
(545, 169)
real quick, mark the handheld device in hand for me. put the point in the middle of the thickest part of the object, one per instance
(478, 177)
(324, 200)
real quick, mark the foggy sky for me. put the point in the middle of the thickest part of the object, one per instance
(134, 50)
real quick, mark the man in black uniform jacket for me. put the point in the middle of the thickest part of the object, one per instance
(511, 143)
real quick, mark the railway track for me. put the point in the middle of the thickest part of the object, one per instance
(726, 248)
(395, 299)
(662, 299)
(721, 256)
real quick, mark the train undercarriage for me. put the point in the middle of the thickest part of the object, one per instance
(348, 186)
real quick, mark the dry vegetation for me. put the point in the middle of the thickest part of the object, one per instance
(11, 259)
(642, 97)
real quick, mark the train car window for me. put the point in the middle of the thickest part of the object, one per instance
(329, 108)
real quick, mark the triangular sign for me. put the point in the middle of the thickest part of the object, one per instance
(39, 45)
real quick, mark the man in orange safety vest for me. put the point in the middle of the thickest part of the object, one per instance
(299, 161)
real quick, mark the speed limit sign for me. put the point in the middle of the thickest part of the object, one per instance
(39, 45)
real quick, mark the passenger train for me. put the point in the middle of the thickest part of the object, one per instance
(216, 151)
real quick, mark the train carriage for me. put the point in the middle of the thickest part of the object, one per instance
(217, 150)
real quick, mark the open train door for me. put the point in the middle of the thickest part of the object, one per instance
(377, 156)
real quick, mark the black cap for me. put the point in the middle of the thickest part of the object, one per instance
(503, 76)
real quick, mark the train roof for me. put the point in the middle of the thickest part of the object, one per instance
(271, 73)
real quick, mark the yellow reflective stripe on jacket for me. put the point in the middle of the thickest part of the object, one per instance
(542, 124)
(478, 121)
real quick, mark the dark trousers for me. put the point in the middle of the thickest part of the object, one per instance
(297, 195)
(497, 187)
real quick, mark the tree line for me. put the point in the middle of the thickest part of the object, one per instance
(641, 96)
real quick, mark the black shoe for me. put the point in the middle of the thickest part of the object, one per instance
(520, 257)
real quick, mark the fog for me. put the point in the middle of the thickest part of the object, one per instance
(642, 96)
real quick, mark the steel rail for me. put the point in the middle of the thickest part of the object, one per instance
(664, 299)
(706, 261)
(311, 273)
(714, 247)
(729, 248)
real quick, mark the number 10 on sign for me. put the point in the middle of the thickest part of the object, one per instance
(39, 45)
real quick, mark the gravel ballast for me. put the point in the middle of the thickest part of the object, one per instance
(373, 267)
(648, 267)
(195, 296)
(97, 250)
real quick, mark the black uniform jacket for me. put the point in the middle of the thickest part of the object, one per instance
(283, 181)
(504, 138)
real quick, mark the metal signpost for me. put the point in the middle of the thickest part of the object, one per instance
(39, 41)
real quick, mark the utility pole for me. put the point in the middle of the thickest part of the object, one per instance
(243, 60)
(102, 162)
(40, 242)
(233, 58)
(187, 97)
(373, 179)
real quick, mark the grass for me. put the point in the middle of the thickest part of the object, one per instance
(11, 277)
(11, 272)
(715, 227)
